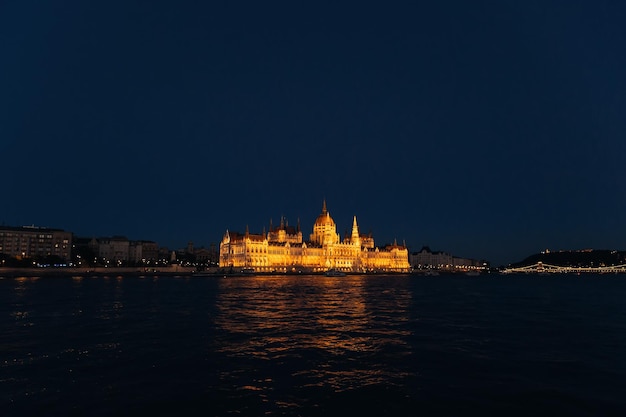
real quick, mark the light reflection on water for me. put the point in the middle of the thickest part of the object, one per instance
(310, 345)
(310, 325)
(21, 312)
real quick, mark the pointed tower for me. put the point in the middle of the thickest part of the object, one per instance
(355, 238)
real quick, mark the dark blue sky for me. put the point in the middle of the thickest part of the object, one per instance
(485, 129)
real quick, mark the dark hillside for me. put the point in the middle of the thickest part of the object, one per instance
(580, 258)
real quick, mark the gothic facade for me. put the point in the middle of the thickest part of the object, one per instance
(283, 249)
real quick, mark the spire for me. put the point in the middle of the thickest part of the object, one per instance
(247, 230)
(354, 238)
(324, 211)
(298, 225)
(282, 222)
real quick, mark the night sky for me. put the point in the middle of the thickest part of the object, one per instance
(486, 129)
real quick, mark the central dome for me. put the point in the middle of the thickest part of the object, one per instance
(324, 229)
(324, 219)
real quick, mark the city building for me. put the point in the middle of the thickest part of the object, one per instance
(31, 242)
(143, 251)
(283, 249)
(427, 259)
(206, 256)
(114, 249)
(119, 250)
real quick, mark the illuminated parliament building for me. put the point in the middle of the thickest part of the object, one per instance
(282, 249)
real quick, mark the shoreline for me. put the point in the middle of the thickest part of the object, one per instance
(166, 271)
(99, 271)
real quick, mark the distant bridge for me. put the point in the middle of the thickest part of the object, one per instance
(541, 268)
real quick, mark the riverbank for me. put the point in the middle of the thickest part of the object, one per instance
(173, 270)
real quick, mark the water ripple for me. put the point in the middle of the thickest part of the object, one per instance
(311, 345)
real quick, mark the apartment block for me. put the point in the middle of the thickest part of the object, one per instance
(35, 242)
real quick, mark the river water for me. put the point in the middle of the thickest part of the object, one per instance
(313, 345)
